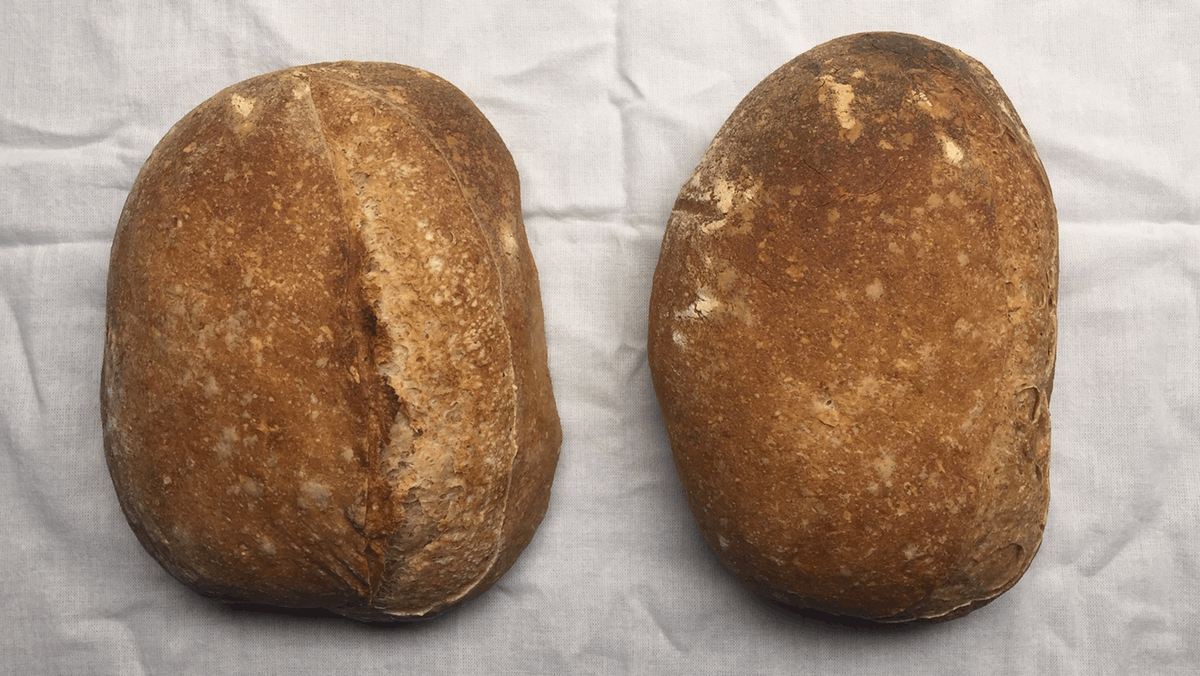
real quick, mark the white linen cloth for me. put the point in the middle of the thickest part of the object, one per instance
(607, 107)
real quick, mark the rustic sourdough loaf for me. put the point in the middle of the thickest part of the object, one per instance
(852, 334)
(325, 379)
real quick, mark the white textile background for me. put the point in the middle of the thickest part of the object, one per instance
(607, 106)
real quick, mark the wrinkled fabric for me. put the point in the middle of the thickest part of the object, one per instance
(607, 107)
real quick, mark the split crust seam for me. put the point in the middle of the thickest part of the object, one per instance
(351, 198)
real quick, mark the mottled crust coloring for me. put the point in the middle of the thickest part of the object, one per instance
(325, 378)
(852, 334)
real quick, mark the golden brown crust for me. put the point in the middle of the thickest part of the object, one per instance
(852, 333)
(325, 379)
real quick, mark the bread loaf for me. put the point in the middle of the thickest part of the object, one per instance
(325, 377)
(852, 334)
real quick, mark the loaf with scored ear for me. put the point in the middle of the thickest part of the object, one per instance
(852, 334)
(325, 377)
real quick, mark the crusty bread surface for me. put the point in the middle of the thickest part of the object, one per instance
(325, 377)
(852, 334)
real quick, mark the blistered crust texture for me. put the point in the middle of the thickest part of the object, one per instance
(852, 334)
(325, 380)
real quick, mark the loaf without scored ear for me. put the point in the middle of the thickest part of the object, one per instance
(325, 378)
(852, 334)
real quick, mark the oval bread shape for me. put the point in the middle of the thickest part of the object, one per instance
(852, 334)
(325, 378)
